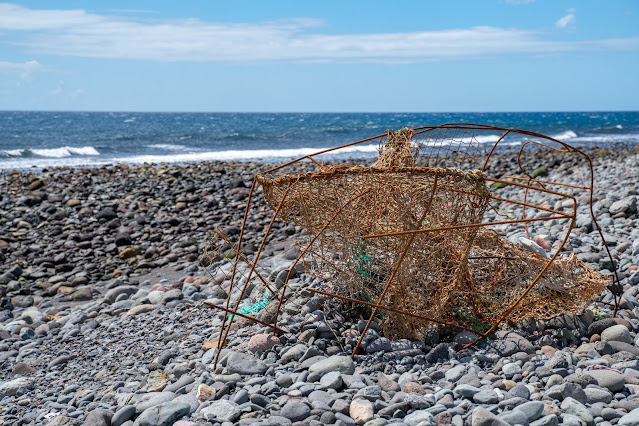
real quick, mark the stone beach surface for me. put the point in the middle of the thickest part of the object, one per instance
(102, 320)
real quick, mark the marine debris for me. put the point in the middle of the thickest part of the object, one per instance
(407, 239)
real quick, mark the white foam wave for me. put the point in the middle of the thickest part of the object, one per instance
(167, 146)
(568, 134)
(12, 152)
(15, 163)
(240, 155)
(487, 138)
(628, 137)
(65, 151)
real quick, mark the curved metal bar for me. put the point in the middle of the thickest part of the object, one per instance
(226, 239)
(254, 263)
(290, 271)
(411, 238)
(530, 287)
(239, 245)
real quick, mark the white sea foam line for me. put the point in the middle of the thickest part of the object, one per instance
(609, 138)
(568, 134)
(13, 152)
(242, 154)
(65, 151)
(24, 163)
(487, 138)
(167, 146)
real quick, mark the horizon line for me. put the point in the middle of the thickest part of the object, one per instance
(320, 112)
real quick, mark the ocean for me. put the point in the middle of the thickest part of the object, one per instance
(50, 139)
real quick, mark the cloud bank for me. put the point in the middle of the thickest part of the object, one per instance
(84, 34)
(24, 69)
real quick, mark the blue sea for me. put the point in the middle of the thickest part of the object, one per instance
(50, 139)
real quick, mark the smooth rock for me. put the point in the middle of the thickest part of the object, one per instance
(340, 363)
(549, 420)
(16, 387)
(140, 309)
(617, 333)
(575, 408)
(597, 327)
(594, 395)
(122, 415)
(222, 410)
(487, 396)
(533, 410)
(455, 373)
(332, 380)
(514, 417)
(245, 364)
(361, 410)
(262, 342)
(295, 411)
(609, 379)
(98, 418)
(630, 419)
(419, 417)
(567, 390)
(164, 414)
(483, 417)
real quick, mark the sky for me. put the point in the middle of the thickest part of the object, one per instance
(320, 56)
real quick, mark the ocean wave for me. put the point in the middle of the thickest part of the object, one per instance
(242, 155)
(626, 137)
(62, 152)
(241, 136)
(487, 138)
(568, 134)
(167, 146)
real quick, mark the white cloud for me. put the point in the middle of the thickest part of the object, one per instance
(58, 90)
(79, 33)
(570, 20)
(24, 69)
(133, 11)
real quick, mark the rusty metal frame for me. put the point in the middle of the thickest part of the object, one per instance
(532, 184)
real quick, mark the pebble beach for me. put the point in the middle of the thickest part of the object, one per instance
(102, 320)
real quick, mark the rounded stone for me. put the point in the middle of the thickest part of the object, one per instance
(609, 379)
(617, 333)
(262, 342)
(295, 411)
(343, 364)
(413, 387)
(361, 410)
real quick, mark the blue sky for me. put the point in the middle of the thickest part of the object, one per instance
(333, 56)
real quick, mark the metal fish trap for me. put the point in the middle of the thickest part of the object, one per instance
(407, 237)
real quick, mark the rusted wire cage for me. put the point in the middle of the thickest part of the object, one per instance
(408, 238)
